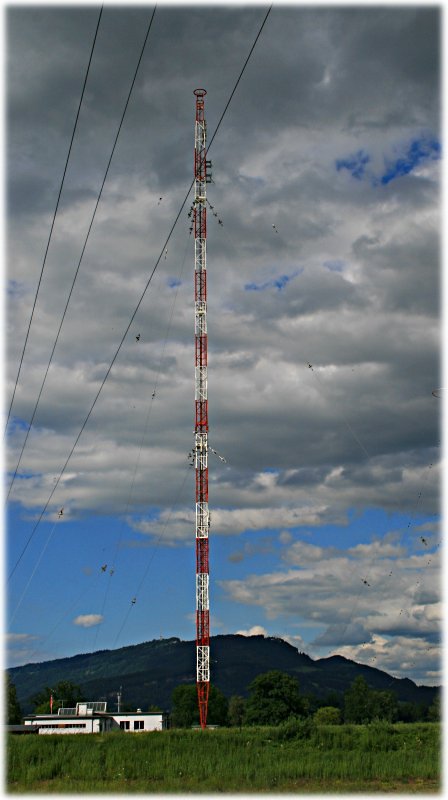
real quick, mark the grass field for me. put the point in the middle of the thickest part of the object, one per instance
(294, 757)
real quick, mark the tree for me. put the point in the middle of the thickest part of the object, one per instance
(327, 715)
(333, 699)
(407, 711)
(310, 703)
(237, 705)
(362, 704)
(357, 702)
(65, 694)
(218, 707)
(185, 712)
(434, 712)
(274, 696)
(383, 705)
(14, 710)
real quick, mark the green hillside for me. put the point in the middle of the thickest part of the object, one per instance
(149, 672)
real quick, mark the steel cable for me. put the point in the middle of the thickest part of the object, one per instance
(134, 313)
(53, 221)
(82, 253)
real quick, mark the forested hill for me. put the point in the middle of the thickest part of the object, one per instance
(149, 672)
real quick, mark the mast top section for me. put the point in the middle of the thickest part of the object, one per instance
(200, 92)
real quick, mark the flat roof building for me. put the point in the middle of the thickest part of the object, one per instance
(93, 717)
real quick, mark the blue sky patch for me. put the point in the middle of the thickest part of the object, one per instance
(355, 164)
(278, 283)
(419, 150)
(173, 283)
(15, 289)
(334, 265)
(18, 424)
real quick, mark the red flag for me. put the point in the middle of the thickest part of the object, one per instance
(51, 703)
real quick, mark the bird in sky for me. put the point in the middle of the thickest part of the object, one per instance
(61, 512)
(160, 200)
(103, 568)
(137, 338)
(133, 601)
(275, 229)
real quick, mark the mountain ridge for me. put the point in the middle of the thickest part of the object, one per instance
(149, 671)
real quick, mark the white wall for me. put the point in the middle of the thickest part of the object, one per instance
(151, 722)
(77, 724)
(70, 725)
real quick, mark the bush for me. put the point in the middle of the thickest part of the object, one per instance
(327, 715)
(378, 735)
(295, 728)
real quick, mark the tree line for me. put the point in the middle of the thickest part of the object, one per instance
(274, 697)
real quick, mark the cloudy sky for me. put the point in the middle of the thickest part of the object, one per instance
(323, 322)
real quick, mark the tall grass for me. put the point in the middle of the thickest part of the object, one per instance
(230, 760)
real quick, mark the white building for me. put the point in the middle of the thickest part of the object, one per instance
(93, 717)
(140, 721)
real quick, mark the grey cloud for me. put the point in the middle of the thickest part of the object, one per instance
(314, 290)
(381, 46)
(30, 193)
(357, 431)
(406, 273)
(304, 476)
(351, 634)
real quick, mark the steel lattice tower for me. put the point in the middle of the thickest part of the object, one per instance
(201, 409)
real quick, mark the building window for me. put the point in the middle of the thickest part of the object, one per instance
(124, 725)
(138, 725)
(64, 725)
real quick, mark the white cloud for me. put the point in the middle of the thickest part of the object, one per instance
(361, 600)
(295, 640)
(303, 447)
(17, 638)
(88, 620)
(20, 647)
(255, 630)
(177, 526)
(400, 656)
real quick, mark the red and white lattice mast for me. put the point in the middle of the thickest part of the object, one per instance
(201, 409)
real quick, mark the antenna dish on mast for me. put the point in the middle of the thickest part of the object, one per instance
(200, 92)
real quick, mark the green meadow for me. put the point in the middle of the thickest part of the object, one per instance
(294, 757)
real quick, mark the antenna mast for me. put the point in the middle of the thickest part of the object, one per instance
(201, 409)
